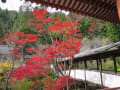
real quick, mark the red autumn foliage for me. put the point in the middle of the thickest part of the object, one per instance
(49, 84)
(2, 40)
(19, 34)
(14, 51)
(36, 80)
(25, 38)
(62, 82)
(37, 64)
(32, 49)
(32, 67)
(93, 26)
(58, 84)
(19, 42)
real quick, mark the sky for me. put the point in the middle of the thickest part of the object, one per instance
(12, 4)
(15, 4)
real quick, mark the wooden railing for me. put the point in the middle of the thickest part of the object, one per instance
(109, 51)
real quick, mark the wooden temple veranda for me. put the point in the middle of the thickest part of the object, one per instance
(109, 51)
(106, 10)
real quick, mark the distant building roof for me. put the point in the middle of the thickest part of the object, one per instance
(4, 49)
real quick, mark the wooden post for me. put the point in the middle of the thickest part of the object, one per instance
(118, 7)
(75, 76)
(85, 66)
(85, 63)
(100, 64)
(97, 64)
(101, 72)
(115, 64)
(104, 60)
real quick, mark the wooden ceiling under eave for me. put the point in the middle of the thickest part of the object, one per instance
(106, 10)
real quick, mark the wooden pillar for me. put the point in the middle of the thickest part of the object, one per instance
(97, 64)
(115, 64)
(75, 74)
(66, 64)
(104, 60)
(74, 66)
(85, 67)
(85, 63)
(100, 62)
(118, 7)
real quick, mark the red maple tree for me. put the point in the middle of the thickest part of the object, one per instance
(59, 49)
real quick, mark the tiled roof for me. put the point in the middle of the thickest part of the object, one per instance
(101, 9)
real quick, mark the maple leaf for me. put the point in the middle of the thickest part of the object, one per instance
(19, 34)
(14, 51)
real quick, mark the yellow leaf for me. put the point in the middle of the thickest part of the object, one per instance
(1, 71)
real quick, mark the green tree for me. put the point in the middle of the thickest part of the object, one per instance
(113, 32)
(7, 20)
